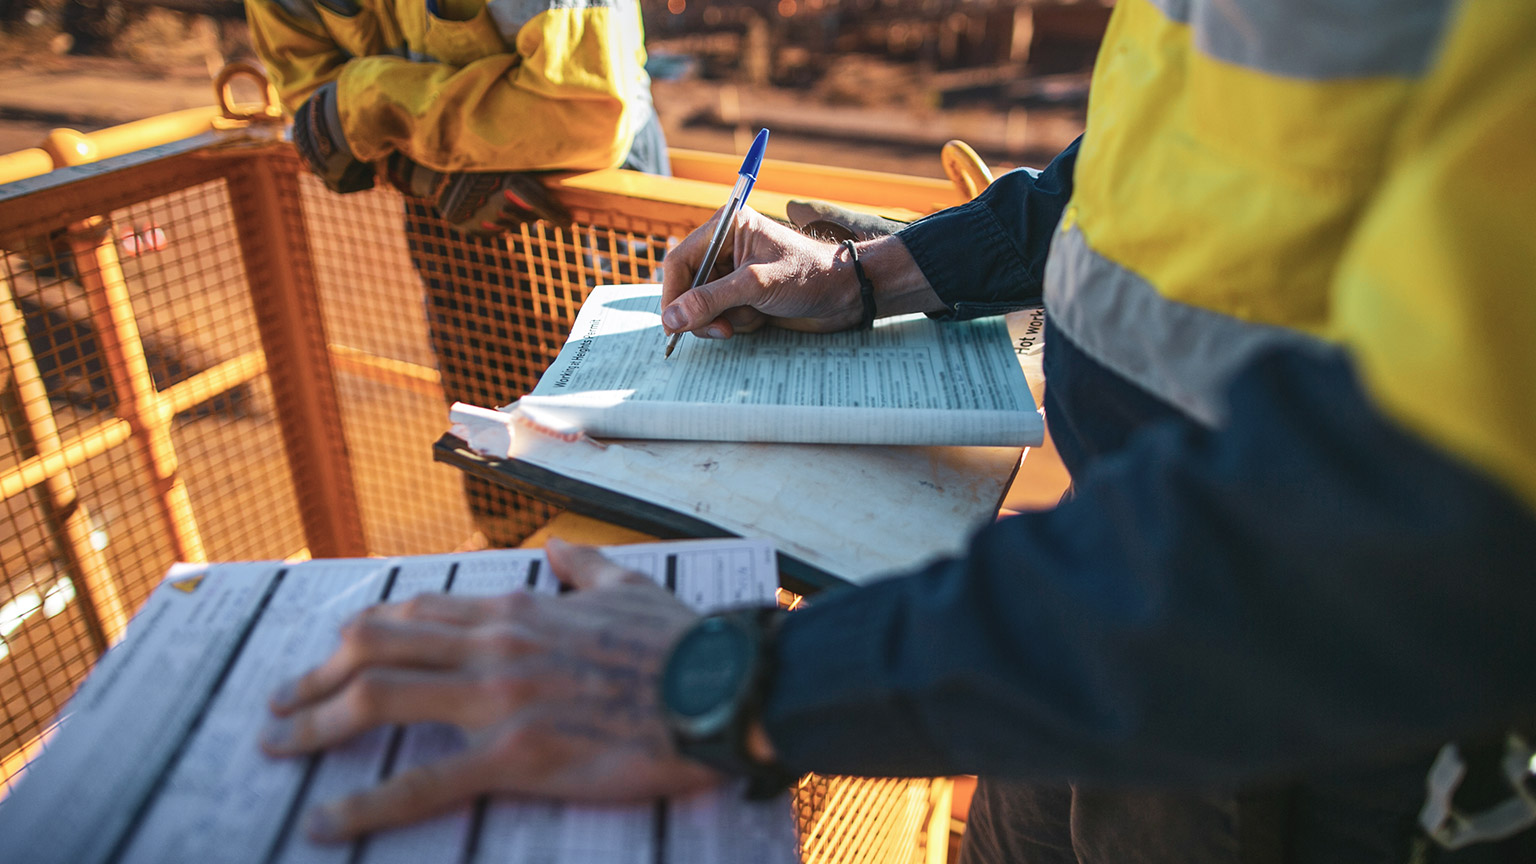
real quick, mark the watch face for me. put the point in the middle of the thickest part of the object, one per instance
(708, 669)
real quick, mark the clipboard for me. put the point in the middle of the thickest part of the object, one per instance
(878, 534)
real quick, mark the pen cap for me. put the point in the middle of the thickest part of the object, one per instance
(754, 158)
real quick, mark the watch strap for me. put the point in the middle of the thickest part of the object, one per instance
(725, 748)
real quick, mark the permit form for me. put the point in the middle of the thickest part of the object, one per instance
(157, 757)
(908, 380)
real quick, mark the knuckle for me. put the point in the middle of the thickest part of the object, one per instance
(416, 607)
(367, 695)
(418, 784)
(696, 303)
(673, 270)
(632, 577)
(518, 604)
(503, 642)
(509, 691)
(351, 812)
(364, 634)
(356, 623)
(512, 744)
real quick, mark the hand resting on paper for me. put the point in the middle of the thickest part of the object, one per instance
(558, 696)
(769, 274)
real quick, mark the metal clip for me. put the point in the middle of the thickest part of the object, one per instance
(237, 116)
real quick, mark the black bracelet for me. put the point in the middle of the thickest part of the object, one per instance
(866, 288)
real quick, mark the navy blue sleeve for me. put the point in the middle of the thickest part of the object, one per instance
(1006, 233)
(1309, 586)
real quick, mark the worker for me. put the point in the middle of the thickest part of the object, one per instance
(458, 104)
(1288, 275)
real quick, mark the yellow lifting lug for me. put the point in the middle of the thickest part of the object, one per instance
(964, 168)
(235, 115)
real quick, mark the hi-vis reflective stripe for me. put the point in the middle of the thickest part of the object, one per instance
(1319, 40)
(511, 15)
(1180, 353)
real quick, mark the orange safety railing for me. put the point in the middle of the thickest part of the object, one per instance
(209, 356)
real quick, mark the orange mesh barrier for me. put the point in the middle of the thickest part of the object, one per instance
(208, 356)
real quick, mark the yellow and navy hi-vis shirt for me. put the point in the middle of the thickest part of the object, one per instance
(1346, 171)
(466, 85)
(1290, 282)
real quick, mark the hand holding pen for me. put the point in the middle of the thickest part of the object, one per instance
(744, 181)
(775, 275)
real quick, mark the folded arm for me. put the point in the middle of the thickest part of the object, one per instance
(559, 94)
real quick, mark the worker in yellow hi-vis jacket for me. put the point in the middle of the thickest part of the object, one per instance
(455, 102)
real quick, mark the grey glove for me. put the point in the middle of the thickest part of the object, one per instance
(834, 223)
(317, 136)
(476, 202)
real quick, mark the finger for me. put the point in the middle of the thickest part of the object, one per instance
(682, 263)
(409, 796)
(452, 609)
(514, 215)
(720, 328)
(534, 199)
(373, 697)
(374, 640)
(700, 308)
(744, 319)
(738, 319)
(584, 567)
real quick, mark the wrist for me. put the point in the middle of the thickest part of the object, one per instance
(899, 286)
(866, 288)
(713, 689)
(318, 138)
(759, 747)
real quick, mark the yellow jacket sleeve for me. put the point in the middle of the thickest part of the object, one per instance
(566, 91)
(293, 43)
(1437, 292)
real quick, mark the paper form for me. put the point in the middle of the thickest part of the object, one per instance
(909, 380)
(158, 758)
(857, 512)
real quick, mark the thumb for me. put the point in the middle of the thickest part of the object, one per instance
(709, 302)
(585, 567)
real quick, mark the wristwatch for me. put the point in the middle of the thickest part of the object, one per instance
(712, 690)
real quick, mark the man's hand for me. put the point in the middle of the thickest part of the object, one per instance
(477, 202)
(769, 274)
(558, 695)
(318, 138)
(766, 273)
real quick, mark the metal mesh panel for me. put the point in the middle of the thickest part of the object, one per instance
(478, 317)
(45, 649)
(181, 259)
(386, 376)
(852, 820)
(86, 544)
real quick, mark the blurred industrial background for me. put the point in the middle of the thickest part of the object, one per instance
(877, 84)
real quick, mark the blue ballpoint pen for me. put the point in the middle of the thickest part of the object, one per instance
(739, 195)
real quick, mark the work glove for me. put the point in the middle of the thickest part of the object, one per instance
(831, 222)
(478, 202)
(317, 136)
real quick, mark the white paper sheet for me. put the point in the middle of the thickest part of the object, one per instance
(907, 381)
(158, 761)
